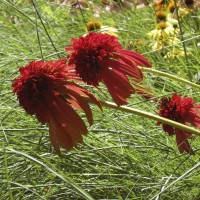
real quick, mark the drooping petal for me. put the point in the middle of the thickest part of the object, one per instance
(194, 116)
(119, 90)
(60, 137)
(145, 92)
(79, 97)
(81, 103)
(83, 92)
(135, 57)
(182, 141)
(68, 117)
(54, 137)
(169, 129)
(66, 130)
(126, 67)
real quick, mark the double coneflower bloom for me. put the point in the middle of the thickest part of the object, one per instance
(182, 110)
(47, 90)
(100, 58)
(51, 91)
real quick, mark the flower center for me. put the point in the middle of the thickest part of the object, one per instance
(89, 64)
(175, 108)
(162, 25)
(189, 2)
(161, 15)
(38, 86)
(93, 25)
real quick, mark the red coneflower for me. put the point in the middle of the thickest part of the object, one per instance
(46, 90)
(100, 58)
(182, 110)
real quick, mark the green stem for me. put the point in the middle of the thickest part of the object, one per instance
(181, 31)
(151, 116)
(45, 29)
(154, 71)
(81, 13)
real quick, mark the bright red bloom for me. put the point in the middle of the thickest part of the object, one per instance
(100, 58)
(182, 110)
(46, 90)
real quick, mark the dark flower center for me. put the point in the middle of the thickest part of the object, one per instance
(88, 65)
(189, 2)
(37, 87)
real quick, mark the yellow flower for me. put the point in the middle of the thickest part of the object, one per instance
(164, 30)
(156, 46)
(163, 42)
(175, 53)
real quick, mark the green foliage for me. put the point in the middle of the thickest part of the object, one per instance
(124, 156)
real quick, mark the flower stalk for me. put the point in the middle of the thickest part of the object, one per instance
(150, 116)
(173, 77)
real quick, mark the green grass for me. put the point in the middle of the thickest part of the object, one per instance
(124, 156)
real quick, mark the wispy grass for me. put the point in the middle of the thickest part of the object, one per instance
(124, 156)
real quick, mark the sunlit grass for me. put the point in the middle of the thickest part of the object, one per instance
(124, 156)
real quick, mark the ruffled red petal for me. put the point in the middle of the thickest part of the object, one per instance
(118, 86)
(135, 57)
(126, 67)
(182, 141)
(66, 126)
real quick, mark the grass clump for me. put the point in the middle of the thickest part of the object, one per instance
(124, 156)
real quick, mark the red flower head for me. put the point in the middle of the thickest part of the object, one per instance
(182, 110)
(100, 58)
(46, 90)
